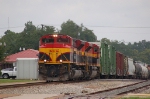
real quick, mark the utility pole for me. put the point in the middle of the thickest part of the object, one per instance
(42, 26)
(8, 23)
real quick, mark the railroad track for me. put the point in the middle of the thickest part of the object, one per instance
(21, 85)
(36, 84)
(112, 92)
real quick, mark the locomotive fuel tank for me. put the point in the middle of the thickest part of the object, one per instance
(94, 72)
(75, 74)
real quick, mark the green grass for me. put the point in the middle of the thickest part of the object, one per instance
(136, 98)
(3, 81)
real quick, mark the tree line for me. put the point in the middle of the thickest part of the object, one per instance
(29, 39)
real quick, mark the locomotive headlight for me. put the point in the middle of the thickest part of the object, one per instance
(45, 60)
(54, 35)
(61, 60)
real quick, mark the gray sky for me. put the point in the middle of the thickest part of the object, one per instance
(127, 20)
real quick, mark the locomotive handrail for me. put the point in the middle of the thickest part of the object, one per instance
(64, 56)
(67, 60)
(42, 56)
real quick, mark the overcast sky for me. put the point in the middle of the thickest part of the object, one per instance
(122, 20)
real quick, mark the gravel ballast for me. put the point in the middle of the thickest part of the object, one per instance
(70, 88)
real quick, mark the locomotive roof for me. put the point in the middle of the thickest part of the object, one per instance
(97, 43)
(56, 34)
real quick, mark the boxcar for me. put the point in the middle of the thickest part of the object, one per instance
(104, 60)
(119, 64)
(112, 61)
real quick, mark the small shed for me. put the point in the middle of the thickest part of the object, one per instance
(27, 68)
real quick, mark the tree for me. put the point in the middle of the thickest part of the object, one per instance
(10, 38)
(2, 50)
(80, 32)
(29, 27)
(145, 56)
(88, 35)
(105, 40)
(70, 28)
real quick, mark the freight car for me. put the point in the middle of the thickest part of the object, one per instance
(107, 61)
(131, 69)
(62, 57)
(141, 70)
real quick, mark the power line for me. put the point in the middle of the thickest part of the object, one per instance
(85, 25)
(11, 27)
(116, 26)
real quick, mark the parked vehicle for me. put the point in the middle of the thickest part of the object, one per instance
(9, 73)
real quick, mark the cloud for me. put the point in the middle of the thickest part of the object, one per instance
(115, 13)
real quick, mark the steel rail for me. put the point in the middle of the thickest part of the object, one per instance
(21, 85)
(26, 84)
(112, 92)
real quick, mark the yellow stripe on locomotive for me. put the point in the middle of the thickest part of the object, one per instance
(56, 55)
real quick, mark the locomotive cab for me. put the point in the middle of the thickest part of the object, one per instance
(54, 48)
(54, 55)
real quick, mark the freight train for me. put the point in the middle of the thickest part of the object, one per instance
(62, 58)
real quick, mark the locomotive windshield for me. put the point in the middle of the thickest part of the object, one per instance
(63, 40)
(95, 49)
(48, 40)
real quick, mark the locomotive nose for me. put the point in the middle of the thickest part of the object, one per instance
(54, 53)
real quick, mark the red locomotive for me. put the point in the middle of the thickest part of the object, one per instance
(62, 57)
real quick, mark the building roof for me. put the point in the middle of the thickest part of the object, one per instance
(29, 53)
